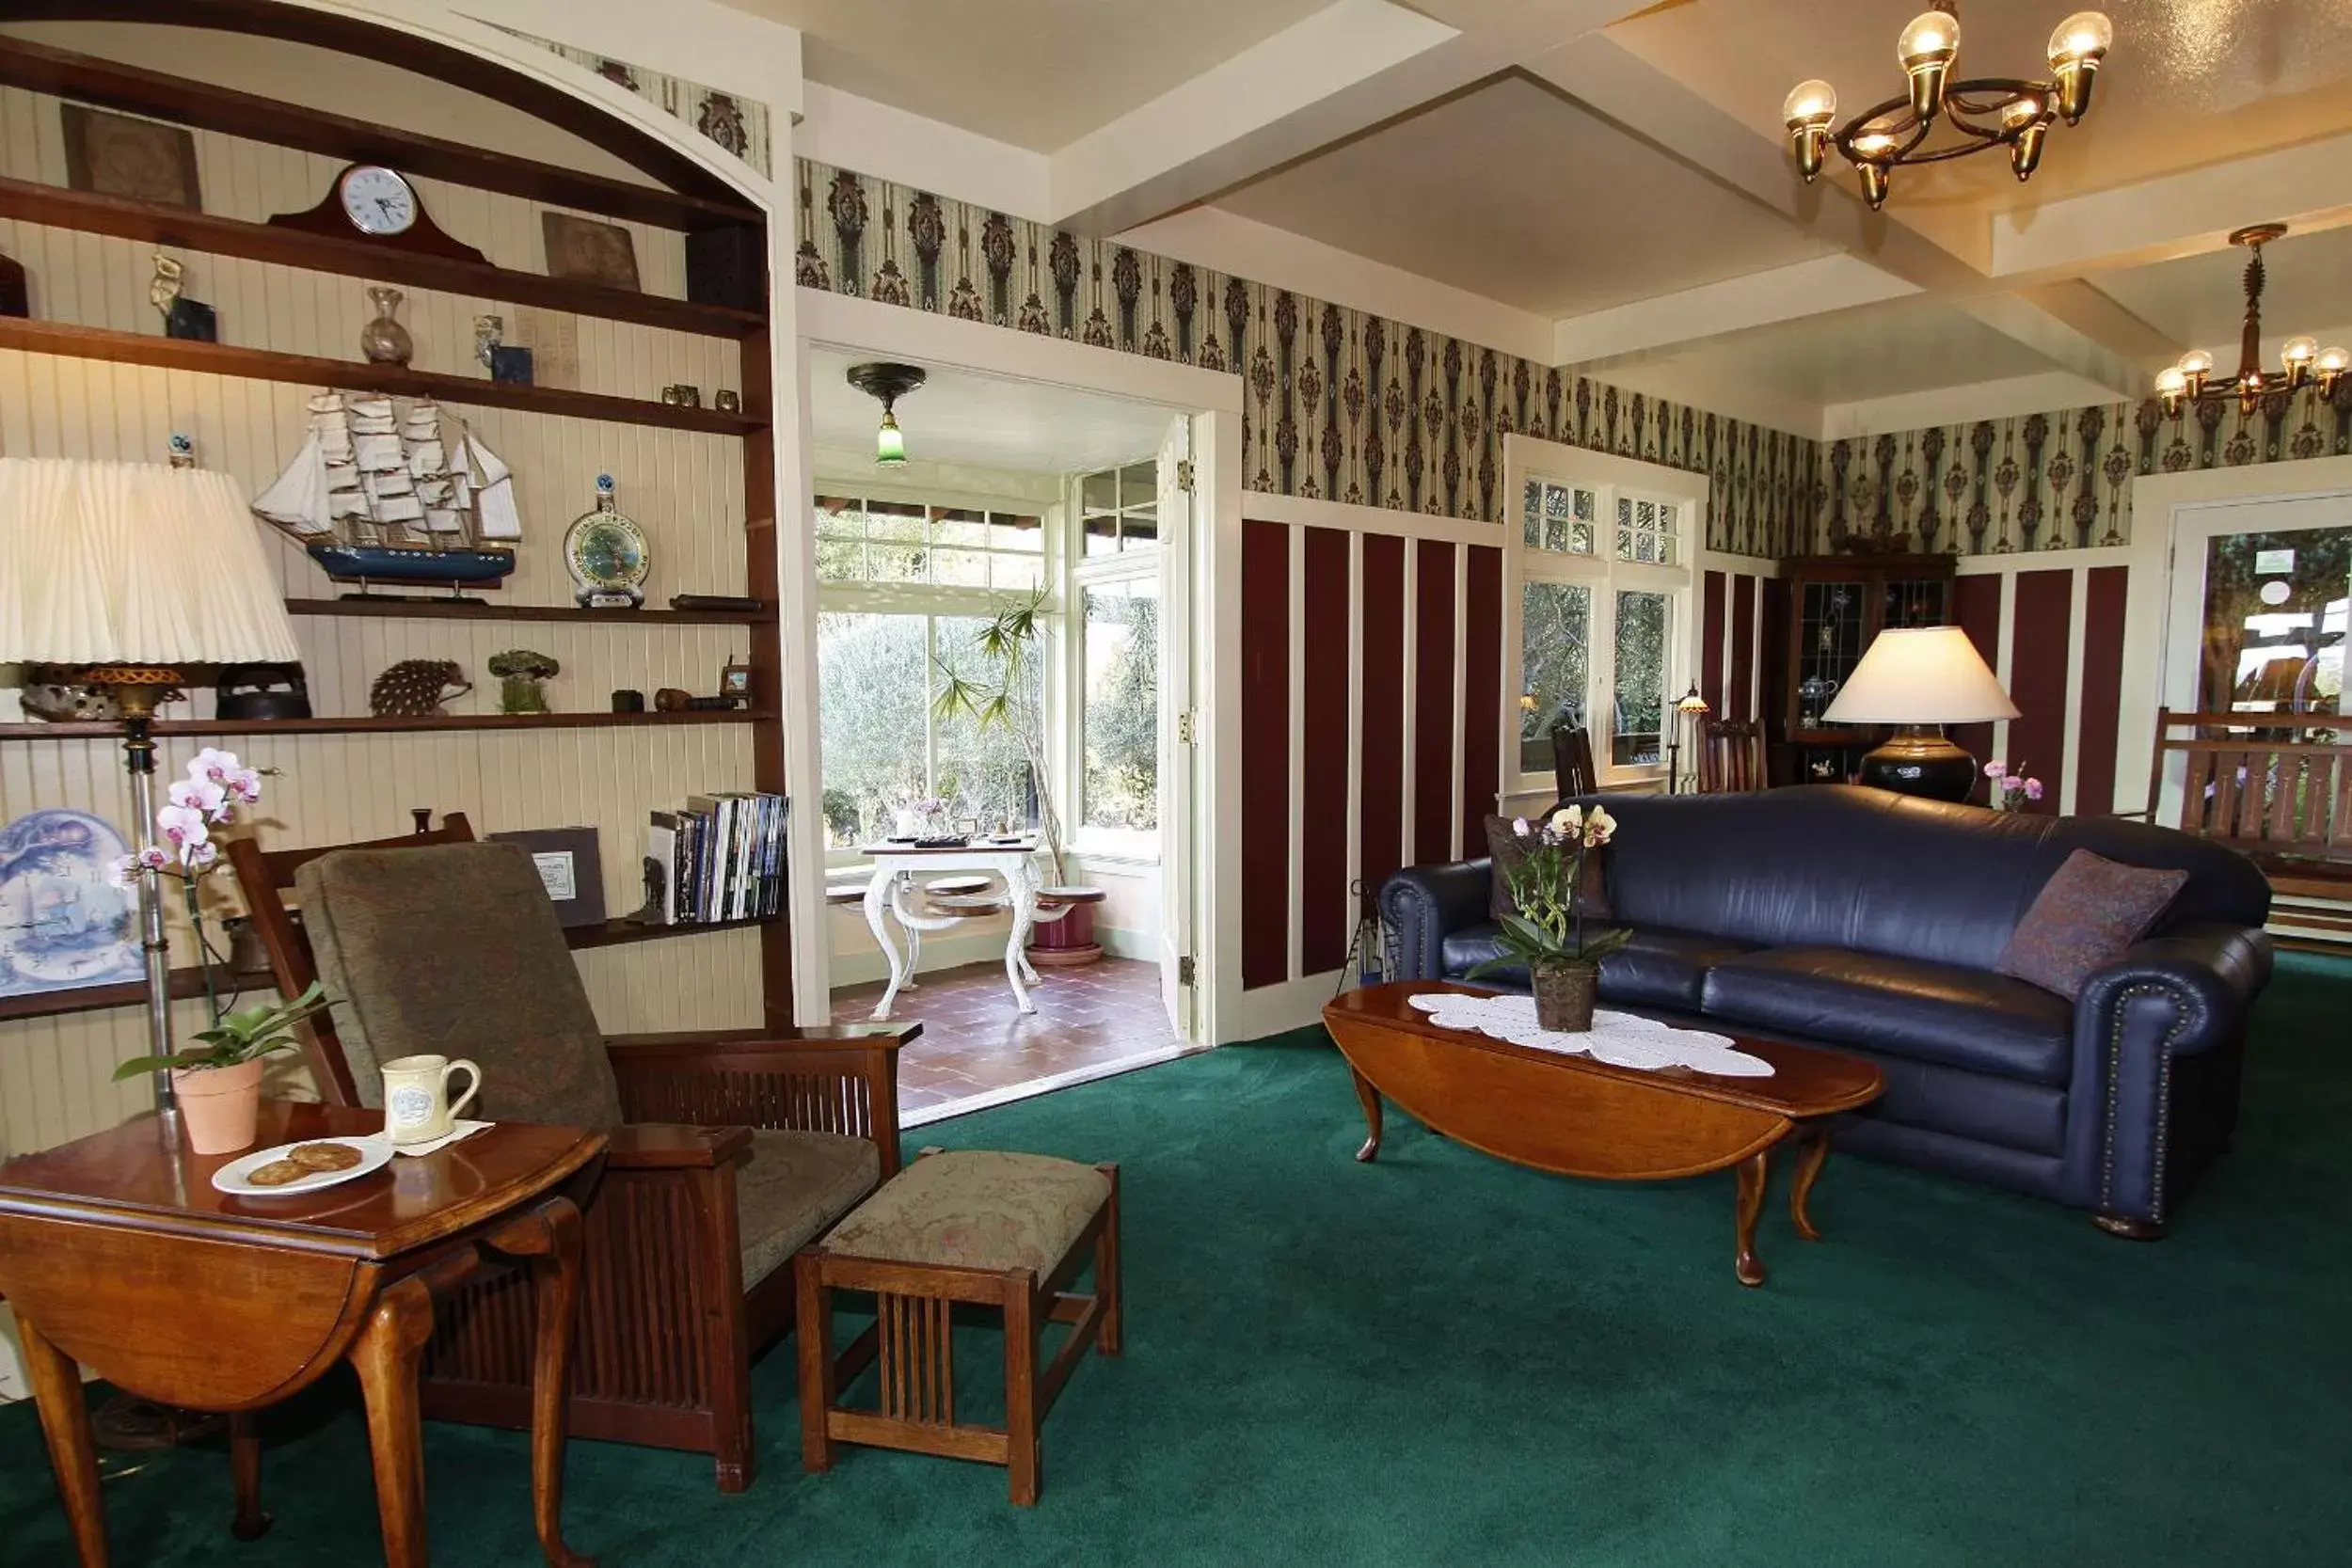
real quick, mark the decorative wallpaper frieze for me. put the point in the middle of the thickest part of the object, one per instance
(1341, 405)
(2052, 480)
(738, 125)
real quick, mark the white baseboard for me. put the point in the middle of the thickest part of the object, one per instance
(1086, 1074)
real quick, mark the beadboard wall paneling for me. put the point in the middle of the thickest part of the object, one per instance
(685, 488)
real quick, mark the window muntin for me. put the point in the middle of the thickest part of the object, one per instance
(1646, 529)
(1119, 510)
(889, 542)
(1558, 518)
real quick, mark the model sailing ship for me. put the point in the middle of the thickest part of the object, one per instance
(392, 491)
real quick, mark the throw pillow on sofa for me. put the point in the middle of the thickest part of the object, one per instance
(2084, 919)
(1503, 848)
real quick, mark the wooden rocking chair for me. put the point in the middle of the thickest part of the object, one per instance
(729, 1150)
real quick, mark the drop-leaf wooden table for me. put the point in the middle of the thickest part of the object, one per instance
(117, 1252)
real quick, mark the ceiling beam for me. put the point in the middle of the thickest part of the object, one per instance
(1822, 286)
(1344, 70)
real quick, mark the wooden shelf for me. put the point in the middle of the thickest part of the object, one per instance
(187, 983)
(154, 224)
(85, 731)
(134, 348)
(87, 79)
(488, 609)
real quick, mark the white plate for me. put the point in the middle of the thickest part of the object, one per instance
(375, 1154)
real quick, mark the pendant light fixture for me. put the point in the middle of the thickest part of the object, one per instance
(889, 382)
(1985, 112)
(2302, 359)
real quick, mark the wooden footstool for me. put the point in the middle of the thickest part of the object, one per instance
(1005, 1230)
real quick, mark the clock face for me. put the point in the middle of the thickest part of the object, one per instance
(377, 201)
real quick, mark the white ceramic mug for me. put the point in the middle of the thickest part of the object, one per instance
(416, 1107)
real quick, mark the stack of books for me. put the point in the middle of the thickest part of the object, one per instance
(722, 858)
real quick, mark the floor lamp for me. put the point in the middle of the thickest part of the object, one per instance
(1689, 710)
(129, 577)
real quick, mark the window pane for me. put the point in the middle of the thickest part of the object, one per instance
(1138, 482)
(960, 568)
(1140, 530)
(1021, 573)
(1532, 515)
(870, 717)
(1121, 792)
(840, 560)
(1637, 730)
(952, 525)
(983, 766)
(1008, 532)
(1102, 537)
(893, 563)
(840, 518)
(1555, 634)
(897, 520)
(1099, 492)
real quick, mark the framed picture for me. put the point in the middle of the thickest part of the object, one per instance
(588, 252)
(569, 869)
(138, 159)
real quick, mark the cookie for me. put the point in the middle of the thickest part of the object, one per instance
(324, 1156)
(278, 1172)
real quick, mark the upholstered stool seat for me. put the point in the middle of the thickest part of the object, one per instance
(1006, 1231)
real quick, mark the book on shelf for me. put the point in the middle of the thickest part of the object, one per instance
(721, 857)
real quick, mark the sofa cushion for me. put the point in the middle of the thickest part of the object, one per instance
(1469, 946)
(793, 1186)
(2084, 919)
(1899, 1007)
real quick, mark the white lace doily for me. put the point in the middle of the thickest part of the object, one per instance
(1621, 1040)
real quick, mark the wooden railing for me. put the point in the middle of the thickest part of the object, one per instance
(2278, 788)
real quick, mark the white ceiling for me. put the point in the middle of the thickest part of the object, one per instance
(1521, 195)
(2202, 299)
(958, 416)
(1875, 352)
(1037, 73)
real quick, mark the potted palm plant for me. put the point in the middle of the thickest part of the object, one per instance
(1546, 934)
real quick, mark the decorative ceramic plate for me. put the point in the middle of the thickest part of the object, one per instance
(606, 551)
(232, 1178)
(60, 922)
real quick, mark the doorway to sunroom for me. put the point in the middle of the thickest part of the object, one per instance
(1002, 657)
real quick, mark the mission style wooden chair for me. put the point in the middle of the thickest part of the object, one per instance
(1731, 757)
(729, 1150)
(1572, 769)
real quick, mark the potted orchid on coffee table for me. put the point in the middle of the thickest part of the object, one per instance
(1546, 934)
(218, 1081)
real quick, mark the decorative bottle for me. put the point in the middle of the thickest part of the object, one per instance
(384, 340)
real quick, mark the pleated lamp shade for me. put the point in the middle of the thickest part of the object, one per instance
(1920, 675)
(132, 563)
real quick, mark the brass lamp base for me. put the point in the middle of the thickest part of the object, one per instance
(1917, 760)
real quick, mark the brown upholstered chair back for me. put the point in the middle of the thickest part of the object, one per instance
(1572, 762)
(454, 949)
(1731, 757)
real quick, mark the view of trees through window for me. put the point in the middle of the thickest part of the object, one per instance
(1555, 632)
(1120, 730)
(1636, 738)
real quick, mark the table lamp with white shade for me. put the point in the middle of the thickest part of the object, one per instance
(1919, 679)
(133, 577)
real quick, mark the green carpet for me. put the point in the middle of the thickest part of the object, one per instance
(1445, 1358)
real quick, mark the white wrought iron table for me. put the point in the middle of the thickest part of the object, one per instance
(888, 895)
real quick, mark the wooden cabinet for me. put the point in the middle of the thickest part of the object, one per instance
(1827, 610)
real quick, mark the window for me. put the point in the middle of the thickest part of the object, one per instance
(1119, 719)
(884, 746)
(1600, 587)
(905, 542)
(1119, 510)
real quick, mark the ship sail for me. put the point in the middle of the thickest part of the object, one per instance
(386, 490)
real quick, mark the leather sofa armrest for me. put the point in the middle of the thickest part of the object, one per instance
(1420, 904)
(2187, 990)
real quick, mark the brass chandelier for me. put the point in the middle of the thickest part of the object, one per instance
(2304, 361)
(1986, 111)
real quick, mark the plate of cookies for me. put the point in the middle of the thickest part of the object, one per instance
(303, 1167)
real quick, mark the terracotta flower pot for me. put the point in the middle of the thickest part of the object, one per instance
(219, 1107)
(1564, 993)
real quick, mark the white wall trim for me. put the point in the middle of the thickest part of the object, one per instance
(1949, 406)
(1295, 762)
(1301, 511)
(1293, 1005)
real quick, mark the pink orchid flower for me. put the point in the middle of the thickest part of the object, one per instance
(183, 828)
(125, 869)
(2033, 789)
(201, 795)
(1996, 769)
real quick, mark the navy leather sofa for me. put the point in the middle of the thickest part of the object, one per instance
(1870, 922)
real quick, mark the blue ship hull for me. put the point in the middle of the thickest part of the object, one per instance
(385, 563)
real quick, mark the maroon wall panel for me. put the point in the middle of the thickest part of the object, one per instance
(1323, 722)
(1433, 703)
(1380, 842)
(1976, 609)
(1711, 640)
(1265, 750)
(1481, 692)
(2038, 637)
(2102, 689)
(1745, 604)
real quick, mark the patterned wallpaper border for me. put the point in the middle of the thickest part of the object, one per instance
(1343, 404)
(737, 125)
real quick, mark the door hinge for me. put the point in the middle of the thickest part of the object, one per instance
(1184, 475)
(1184, 728)
(1183, 970)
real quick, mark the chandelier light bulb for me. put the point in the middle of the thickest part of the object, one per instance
(2029, 120)
(2300, 353)
(2333, 361)
(1926, 51)
(1810, 103)
(2171, 382)
(2196, 363)
(2076, 48)
(1873, 184)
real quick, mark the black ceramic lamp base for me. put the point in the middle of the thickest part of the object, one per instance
(1918, 760)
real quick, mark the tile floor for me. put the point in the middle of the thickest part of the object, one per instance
(975, 1046)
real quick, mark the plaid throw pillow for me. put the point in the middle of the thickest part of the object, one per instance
(1503, 848)
(2084, 919)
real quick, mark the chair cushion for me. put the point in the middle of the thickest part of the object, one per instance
(1931, 1012)
(454, 950)
(2084, 918)
(793, 1186)
(975, 1210)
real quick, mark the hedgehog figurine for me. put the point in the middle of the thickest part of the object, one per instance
(416, 688)
(522, 677)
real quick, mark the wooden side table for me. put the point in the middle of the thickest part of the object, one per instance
(119, 1253)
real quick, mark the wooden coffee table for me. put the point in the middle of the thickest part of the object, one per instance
(1576, 1117)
